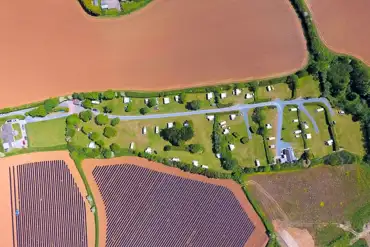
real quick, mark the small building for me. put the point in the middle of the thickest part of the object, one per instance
(218, 156)
(195, 163)
(126, 100)
(169, 125)
(271, 138)
(249, 95)
(186, 123)
(237, 91)
(177, 98)
(269, 88)
(319, 109)
(297, 136)
(166, 100)
(175, 159)
(329, 142)
(204, 167)
(226, 131)
(295, 120)
(268, 126)
(156, 129)
(288, 156)
(210, 117)
(132, 145)
(95, 102)
(231, 147)
(341, 112)
(305, 125)
(209, 95)
(92, 145)
(257, 162)
(232, 116)
(110, 4)
(293, 109)
(148, 150)
(144, 130)
(272, 146)
(297, 132)
(223, 126)
(146, 101)
(308, 136)
(223, 123)
(223, 95)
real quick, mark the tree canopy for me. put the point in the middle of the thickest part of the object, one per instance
(101, 119)
(177, 136)
(85, 115)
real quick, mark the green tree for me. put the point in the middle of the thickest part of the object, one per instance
(86, 129)
(92, 95)
(253, 86)
(114, 121)
(229, 164)
(193, 105)
(128, 107)
(107, 153)
(87, 104)
(100, 143)
(244, 140)
(292, 81)
(50, 104)
(85, 115)
(94, 136)
(176, 136)
(144, 110)
(108, 95)
(195, 148)
(73, 119)
(70, 132)
(101, 119)
(182, 98)
(108, 109)
(38, 112)
(115, 147)
(152, 102)
(109, 132)
(258, 116)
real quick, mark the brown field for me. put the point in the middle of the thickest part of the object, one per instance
(342, 25)
(5, 205)
(53, 48)
(258, 237)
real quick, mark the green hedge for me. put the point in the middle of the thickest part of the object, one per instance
(22, 107)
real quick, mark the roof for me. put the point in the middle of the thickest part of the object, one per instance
(111, 4)
(7, 133)
(166, 100)
(289, 153)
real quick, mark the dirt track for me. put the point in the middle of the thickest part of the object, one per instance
(51, 48)
(5, 209)
(257, 239)
(343, 25)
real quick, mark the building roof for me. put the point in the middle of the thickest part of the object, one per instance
(111, 4)
(7, 133)
(289, 154)
(166, 100)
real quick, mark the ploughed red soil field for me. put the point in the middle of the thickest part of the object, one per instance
(52, 48)
(342, 25)
(143, 203)
(43, 202)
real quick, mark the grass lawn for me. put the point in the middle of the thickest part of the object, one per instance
(131, 131)
(271, 118)
(246, 154)
(288, 130)
(308, 87)
(317, 143)
(349, 134)
(47, 133)
(17, 127)
(281, 91)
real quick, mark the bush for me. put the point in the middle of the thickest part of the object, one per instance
(101, 119)
(92, 95)
(38, 112)
(100, 143)
(87, 104)
(73, 119)
(85, 115)
(94, 136)
(229, 164)
(340, 158)
(176, 136)
(86, 129)
(244, 140)
(195, 148)
(167, 148)
(50, 104)
(107, 153)
(144, 110)
(70, 132)
(193, 105)
(109, 132)
(108, 109)
(182, 98)
(115, 147)
(115, 121)
(108, 95)
(128, 107)
(152, 102)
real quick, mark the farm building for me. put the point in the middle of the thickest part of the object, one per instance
(13, 137)
(223, 123)
(271, 138)
(297, 132)
(166, 100)
(146, 101)
(177, 98)
(223, 95)
(295, 120)
(148, 150)
(92, 145)
(156, 129)
(132, 145)
(287, 156)
(272, 146)
(209, 96)
(110, 4)
(269, 88)
(257, 162)
(95, 102)
(226, 131)
(175, 159)
(305, 125)
(218, 156)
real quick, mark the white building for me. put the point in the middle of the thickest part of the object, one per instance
(272, 146)
(195, 163)
(295, 120)
(166, 100)
(210, 117)
(308, 136)
(232, 116)
(146, 101)
(306, 126)
(297, 132)
(293, 109)
(237, 91)
(209, 95)
(156, 129)
(249, 95)
(297, 136)
(95, 102)
(148, 150)
(177, 98)
(319, 109)
(175, 159)
(204, 167)
(218, 156)
(132, 145)
(341, 112)
(169, 125)
(223, 95)
(329, 142)
(126, 100)
(231, 147)
(257, 162)
(269, 88)
(144, 130)
(226, 131)
(268, 126)
(223, 123)
(92, 145)
(271, 138)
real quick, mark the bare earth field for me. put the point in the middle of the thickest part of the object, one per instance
(341, 24)
(52, 48)
(258, 237)
(5, 204)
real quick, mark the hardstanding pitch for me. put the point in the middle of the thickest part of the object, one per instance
(52, 48)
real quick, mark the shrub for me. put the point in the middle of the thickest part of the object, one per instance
(87, 104)
(144, 110)
(152, 102)
(193, 105)
(86, 129)
(70, 132)
(92, 95)
(115, 121)
(38, 112)
(115, 147)
(94, 136)
(107, 153)
(108, 95)
(128, 107)
(100, 143)
(167, 148)
(73, 119)
(85, 115)
(109, 132)
(101, 119)
(229, 164)
(108, 109)
(50, 104)
(182, 98)
(244, 140)
(195, 148)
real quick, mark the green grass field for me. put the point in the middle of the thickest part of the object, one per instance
(317, 143)
(17, 127)
(281, 91)
(237, 99)
(131, 131)
(308, 87)
(246, 154)
(46, 134)
(288, 130)
(349, 134)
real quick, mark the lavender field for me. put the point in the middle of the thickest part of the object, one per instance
(146, 208)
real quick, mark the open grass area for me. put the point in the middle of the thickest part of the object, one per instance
(281, 91)
(349, 134)
(308, 87)
(289, 126)
(17, 127)
(47, 133)
(131, 131)
(317, 143)
(246, 154)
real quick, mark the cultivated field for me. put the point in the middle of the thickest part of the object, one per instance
(21, 190)
(342, 28)
(169, 44)
(160, 206)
